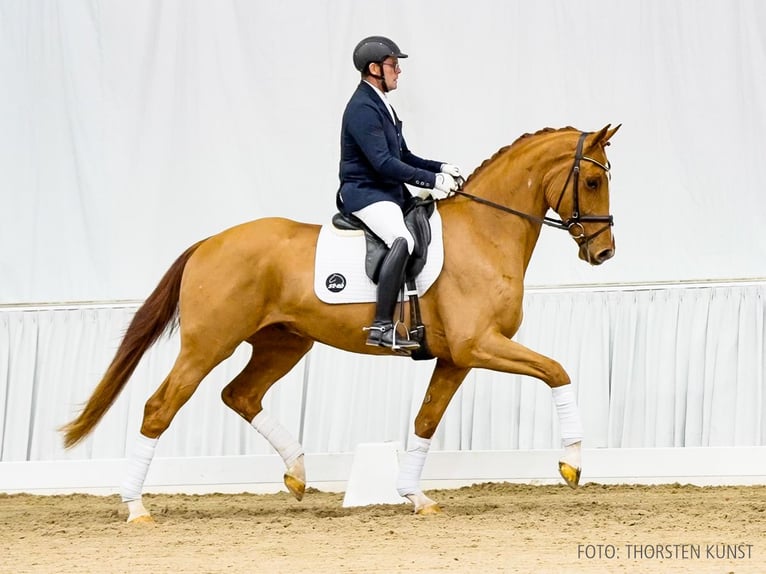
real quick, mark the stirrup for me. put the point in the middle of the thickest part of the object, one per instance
(385, 335)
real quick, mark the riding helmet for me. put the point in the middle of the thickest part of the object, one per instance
(375, 49)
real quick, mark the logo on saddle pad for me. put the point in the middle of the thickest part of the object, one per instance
(335, 283)
(339, 269)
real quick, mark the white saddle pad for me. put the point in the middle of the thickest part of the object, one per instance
(339, 273)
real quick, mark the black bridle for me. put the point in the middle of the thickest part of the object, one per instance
(574, 224)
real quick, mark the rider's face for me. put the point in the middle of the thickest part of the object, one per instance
(390, 71)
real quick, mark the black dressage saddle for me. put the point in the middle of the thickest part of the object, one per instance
(416, 217)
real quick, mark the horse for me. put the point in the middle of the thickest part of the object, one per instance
(254, 283)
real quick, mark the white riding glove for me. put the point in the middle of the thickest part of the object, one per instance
(453, 170)
(444, 186)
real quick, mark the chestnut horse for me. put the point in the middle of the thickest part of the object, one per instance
(254, 282)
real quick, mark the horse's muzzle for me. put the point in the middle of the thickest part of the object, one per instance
(603, 255)
(595, 258)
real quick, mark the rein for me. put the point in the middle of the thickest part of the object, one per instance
(549, 221)
(574, 224)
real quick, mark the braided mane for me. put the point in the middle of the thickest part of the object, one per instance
(504, 149)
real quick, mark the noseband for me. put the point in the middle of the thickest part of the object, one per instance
(574, 224)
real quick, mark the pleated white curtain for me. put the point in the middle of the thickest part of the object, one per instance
(660, 367)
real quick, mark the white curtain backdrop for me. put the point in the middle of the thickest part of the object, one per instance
(129, 130)
(652, 368)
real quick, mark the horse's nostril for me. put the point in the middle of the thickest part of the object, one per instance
(604, 254)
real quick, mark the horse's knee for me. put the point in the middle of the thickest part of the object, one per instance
(557, 376)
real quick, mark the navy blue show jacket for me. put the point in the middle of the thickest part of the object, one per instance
(375, 162)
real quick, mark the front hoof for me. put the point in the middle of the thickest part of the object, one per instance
(295, 485)
(570, 474)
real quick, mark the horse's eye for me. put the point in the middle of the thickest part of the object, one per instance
(592, 182)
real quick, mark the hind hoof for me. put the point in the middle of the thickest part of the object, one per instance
(143, 519)
(137, 513)
(570, 474)
(295, 485)
(429, 510)
(423, 506)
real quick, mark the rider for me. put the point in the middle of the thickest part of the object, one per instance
(375, 163)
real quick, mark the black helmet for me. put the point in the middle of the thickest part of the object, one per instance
(375, 49)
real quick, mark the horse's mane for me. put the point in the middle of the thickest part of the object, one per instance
(518, 140)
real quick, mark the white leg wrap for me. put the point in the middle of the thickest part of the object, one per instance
(569, 415)
(136, 510)
(412, 466)
(138, 466)
(278, 436)
(573, 455)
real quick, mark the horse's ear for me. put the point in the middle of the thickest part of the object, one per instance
(610, 133)
(602, 138)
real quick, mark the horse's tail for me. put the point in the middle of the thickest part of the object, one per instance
(149, 322)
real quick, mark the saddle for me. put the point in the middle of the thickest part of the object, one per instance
(416, 217)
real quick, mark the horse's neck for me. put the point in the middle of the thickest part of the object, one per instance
(494, 231)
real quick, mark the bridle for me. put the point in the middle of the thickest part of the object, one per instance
(574, 224)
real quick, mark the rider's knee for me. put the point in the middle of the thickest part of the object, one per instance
(410, 242)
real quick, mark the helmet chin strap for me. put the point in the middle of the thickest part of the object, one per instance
(382, 78)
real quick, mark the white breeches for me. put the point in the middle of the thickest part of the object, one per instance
(386, 220)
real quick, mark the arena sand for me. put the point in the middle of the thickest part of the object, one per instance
(484, 528)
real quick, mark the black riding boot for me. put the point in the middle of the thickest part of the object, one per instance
(382, 332)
